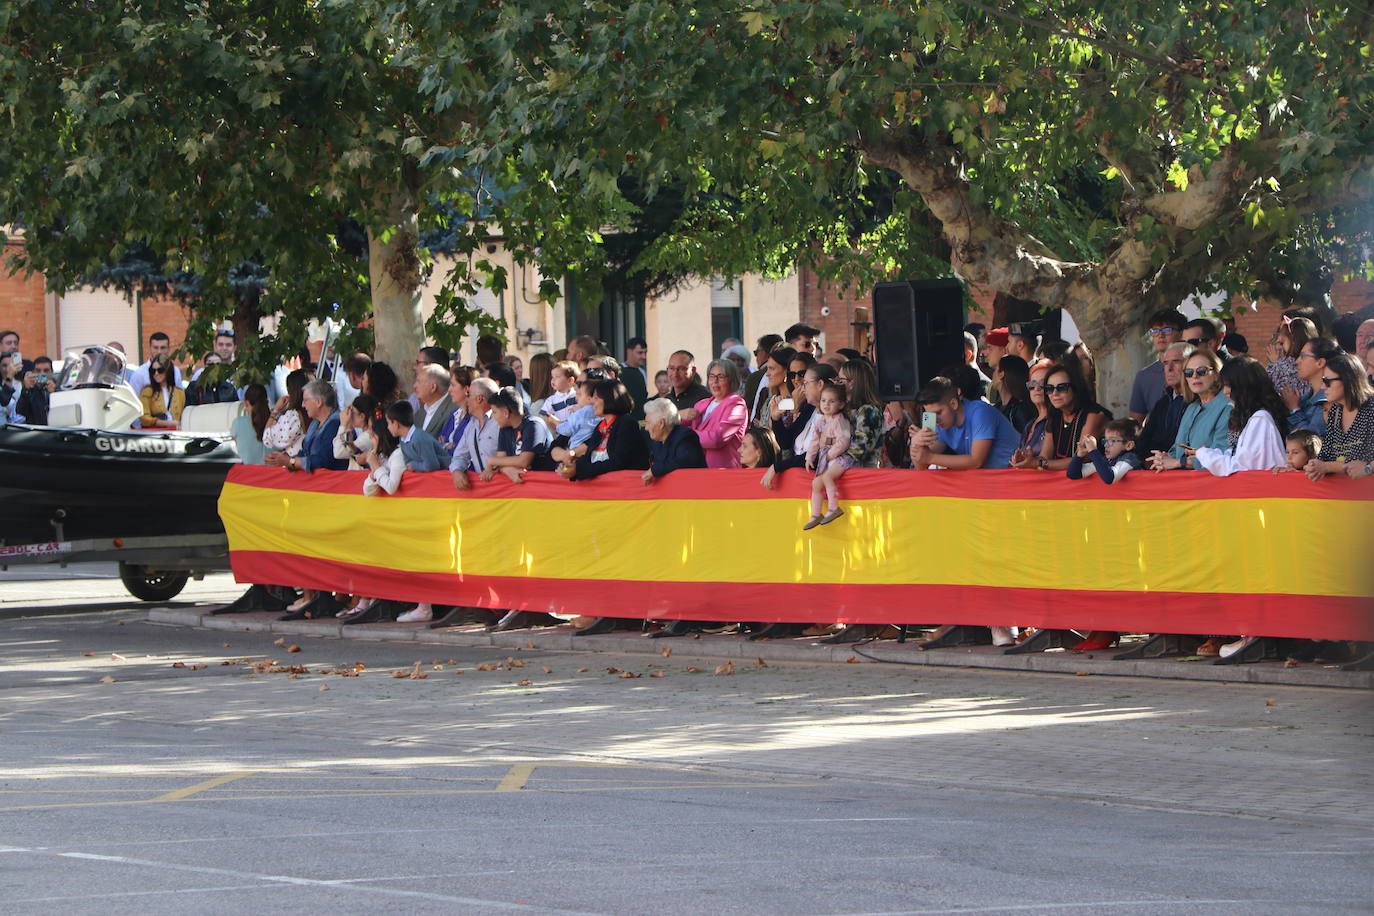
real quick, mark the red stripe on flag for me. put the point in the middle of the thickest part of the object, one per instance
(1299, 616)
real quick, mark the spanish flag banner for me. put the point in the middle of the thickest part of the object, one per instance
(1179, 552)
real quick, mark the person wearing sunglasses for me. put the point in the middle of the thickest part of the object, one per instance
(775, 387)
(1255, 424)
(1073, 414)
(1307, 403)
(1165, 326)
(1348, 444)
(1205, 419)
(1033, 436)
(162, 400)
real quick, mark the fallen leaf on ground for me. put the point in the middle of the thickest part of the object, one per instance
(279, 642)
(525, 683)
(107, 680)
(458, 671)
(1287, 663)
(293, 648)
(760, 663)
(198, 667)
(400, 672)
(515, 662)
(727, 668)
(691, 670)
(324, 686)
(1081, 673)
(612, 670)
(658, 674)
(359, 666)
(416, 674)
(89, 654)
(548, 670)
(583, 670)
(527, 645)
(226, 645)
(485, 666)
(1270, 703)
(437, 667)
(625, 674)
(851, 660)
(666, 651)
(178, 664)
(453, 661)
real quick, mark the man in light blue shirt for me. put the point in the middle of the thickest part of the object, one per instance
(968, 434)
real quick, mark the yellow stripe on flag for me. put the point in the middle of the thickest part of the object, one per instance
(1226, 546)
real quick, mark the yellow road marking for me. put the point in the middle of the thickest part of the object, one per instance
(516, 777)
(180, 794)
(400, 792)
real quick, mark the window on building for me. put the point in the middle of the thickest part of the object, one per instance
(727, 313)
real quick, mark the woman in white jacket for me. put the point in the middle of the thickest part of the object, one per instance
(1255, 423)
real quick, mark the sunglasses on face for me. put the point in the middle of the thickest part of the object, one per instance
(1326, 382)
(796, 374)
(1155, 332)
(1061, 388)
(1193, 340)
(1199, 373)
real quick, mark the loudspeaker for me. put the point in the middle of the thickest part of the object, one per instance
(918, 329)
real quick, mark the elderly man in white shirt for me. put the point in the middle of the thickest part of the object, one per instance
(478, 442)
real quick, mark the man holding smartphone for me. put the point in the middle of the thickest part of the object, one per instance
(959, 434)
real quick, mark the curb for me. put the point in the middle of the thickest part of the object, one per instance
(792, 650)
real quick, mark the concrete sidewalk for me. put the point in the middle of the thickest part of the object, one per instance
(803, 650)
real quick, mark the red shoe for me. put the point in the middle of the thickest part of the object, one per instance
(1098, 639)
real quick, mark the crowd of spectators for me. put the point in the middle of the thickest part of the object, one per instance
(1016, 402)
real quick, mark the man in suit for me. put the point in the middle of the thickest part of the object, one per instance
(435, 405)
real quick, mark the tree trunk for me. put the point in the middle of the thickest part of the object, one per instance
(1119, 349)
(395, 272)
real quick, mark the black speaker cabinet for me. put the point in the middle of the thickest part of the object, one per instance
(918, 329)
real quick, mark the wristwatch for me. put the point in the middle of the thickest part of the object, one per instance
(1043, 464)
(1368, 468)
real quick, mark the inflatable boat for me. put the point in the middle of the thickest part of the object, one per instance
(90, 475)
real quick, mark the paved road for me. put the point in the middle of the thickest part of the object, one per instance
(788, 789)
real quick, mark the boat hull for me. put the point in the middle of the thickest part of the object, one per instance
(98, 483)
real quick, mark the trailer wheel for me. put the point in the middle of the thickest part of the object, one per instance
(148, 585)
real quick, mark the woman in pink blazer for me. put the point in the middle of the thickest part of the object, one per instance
(720, 420)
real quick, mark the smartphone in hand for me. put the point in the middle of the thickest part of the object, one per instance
(928, 420)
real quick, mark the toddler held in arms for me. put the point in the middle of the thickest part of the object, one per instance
(827, 456)
(1115, 457)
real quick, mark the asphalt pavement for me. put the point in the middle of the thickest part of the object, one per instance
(151, 768)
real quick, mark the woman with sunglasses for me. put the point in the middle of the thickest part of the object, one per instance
(1256, 423)
(162, 400)
(1033, 437)
(1348, 444)
(1206, 419)
(787, 424)
(1073, 414)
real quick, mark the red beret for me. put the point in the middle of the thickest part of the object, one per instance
(998, 337)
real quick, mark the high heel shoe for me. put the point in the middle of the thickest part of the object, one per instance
(1098, 639)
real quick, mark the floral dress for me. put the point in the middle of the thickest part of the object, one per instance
(867, 438)
(1283, 372)
(286, 435)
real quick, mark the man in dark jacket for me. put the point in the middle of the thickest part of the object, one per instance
(671, 445)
